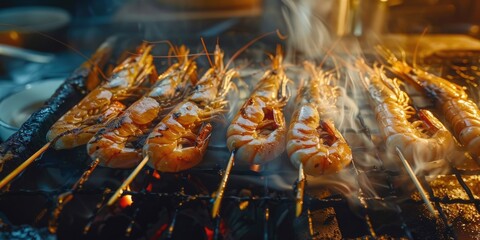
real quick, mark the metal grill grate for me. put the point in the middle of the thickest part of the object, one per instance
(159, 207)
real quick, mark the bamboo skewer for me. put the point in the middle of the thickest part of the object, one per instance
(300, 191)
(127, 181)
(85, 175)
(24, 165)
(92, 66)
(67, 196)
(171, 227)
(421, 190)
(221, 189)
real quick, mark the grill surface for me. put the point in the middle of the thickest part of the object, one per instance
(379, 201)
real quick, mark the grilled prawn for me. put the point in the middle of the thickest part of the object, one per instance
(312, 139)
(257, 132)
(460, 112)
(118, 144)
(180, 140)
(425, 139)
(79, 124)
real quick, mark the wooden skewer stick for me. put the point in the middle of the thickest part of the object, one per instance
(67, 196)
(423, 193)
(85, 175)
(127, 181)
(300, 191)
(24, 165)
(221, 188)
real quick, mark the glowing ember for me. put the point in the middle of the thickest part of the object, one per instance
(126, 201)
(209, 233)
(149, 187)
(159, 232)
(156, 174)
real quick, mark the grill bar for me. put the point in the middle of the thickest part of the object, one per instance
(365, 130)
(449, 230)
(266, 214)
(315, 202)
(466, 189)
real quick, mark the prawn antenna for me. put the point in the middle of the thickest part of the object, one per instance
(250, 43)
(329, 51)
(206, 51)
(415, 52)
(280, 35)
(169, 43)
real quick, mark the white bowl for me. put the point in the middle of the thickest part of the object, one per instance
(17, 107)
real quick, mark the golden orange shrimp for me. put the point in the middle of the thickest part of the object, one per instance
(312, 139)
(460, 112)
(423, 140)
(180, 140)
(79, 124)
(257, 132)
(118, 144)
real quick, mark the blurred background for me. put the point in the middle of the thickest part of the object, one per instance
(34, 34)
(89, 22)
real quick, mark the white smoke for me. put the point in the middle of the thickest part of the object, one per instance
(307, 32)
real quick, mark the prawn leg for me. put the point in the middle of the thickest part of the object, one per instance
(284, 93)
(431, 122)
(185, 157)
(205, 132)
(328, 132)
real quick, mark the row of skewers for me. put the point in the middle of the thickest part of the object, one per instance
(169, 126)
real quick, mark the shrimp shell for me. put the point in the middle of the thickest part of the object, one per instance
(461, 113)
(116, 145)
(423, 140)
(178, 143)
(312, 139)
(180, 140)
(257, 132)
(112, 144)
(101, 105)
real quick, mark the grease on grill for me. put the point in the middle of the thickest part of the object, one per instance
(325, 224)
(464, 217)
